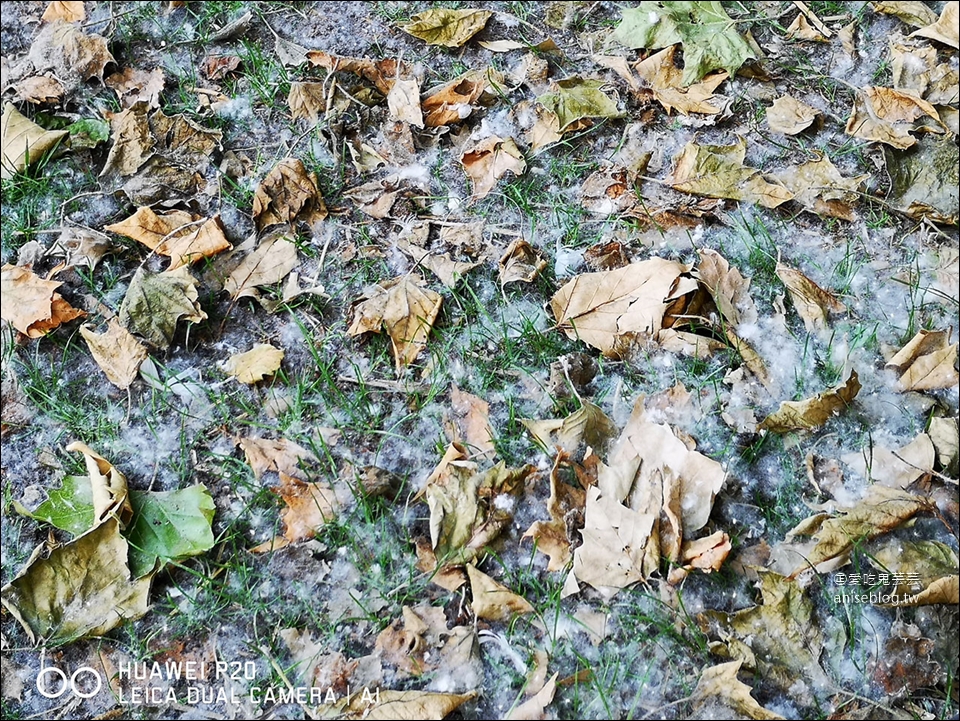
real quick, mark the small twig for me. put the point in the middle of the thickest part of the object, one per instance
(814, 20)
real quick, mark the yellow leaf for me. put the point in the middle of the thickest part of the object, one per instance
(888, 116)
(454, 101)
(69, 11)
(23, 142)
(945, 29)
(446, 27)
(492, 601)
(926, 362)
(719, 684)
(818, 186)
(912, 12)
(812, 412)
(31, 304)
(789, 116)
(576, 99)
(260, 361)
(117, 352)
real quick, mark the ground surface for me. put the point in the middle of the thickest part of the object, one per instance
(347, 606)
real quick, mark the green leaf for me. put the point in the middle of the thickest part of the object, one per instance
(88, 133)
(577, 98)
(450, 28)
(69, 508)
(169, 525)
(708, 35)
(156, 301)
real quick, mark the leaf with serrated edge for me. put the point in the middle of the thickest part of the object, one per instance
(117, 352)
(812, 412)
(169, 526)
(446, 27)
(719, 684)
(155, 302)
(576, 99)
(926, 362)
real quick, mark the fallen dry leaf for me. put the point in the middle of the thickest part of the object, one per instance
(945, 29)
(927, 572)
(405, 309)
(31, 304)
(790, 116)
(155, 302)
(448, 270)
(520, 262)
(601, 308)
(945, 434)
(717, 171)
(812, 302)
(706, 554)
(287, 195)
(608, 191)
(588, 425)
(420, 642)
(308, 507)
(575, 99)
(912, 12)
(728, 288)
(666, 81)
(117, 352)
(565, 506)
(69, 11)
(279, 456)
(489, 160)
(254, 365)
(23, 142)
(492, 601)
(381, 73)
(905, 663)
(894, 468)
(306, 100)
(376, 198)
(70, 53)
(403, 101)
(720, 685)
(471, 421)
(446, 27)
(270, 263)
(801, 29)
(888, 116)
(40, 90)
(134, 86)
(534, 707)
(183, 237)
(80, 247)
(818, 186)
(924, 179)
(812, 412)
(927, 362)
(454, 101)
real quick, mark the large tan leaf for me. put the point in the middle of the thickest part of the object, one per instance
(895, 468)
(306, 100)
(790, 116)
(666, 80)
(520, 262)
(31, 304)
(492, 601)
(279, 456)
(587, 425)
(471, 421)
(117, 352)
(308, 506)
(888, 116)
(924, 572)
(945, 29)
(719, 684)
(489, 160)
(23, 142)
(134, 86)
(717, 171)
(818, 186)
(812, 412)
(183, 237)
(155, 302)
(454, 101)
(250, 367)
(288, 195)
(812, 302)
(270, 263)
(69, 11)
(446, 27)
(600, 308)
(405, 309)
(403, 101)
(927, 362)
(533, 707)
(575, 99)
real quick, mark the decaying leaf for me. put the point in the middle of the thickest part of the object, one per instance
(489, 160)
(932, 566)
(520, 262)
(565, 506)
(270, 263)
(134, 86)
(69, 11)
(945, 434)
(720, 685)
(279, 456)
(888, 116)
(376, 198)
(812, 412)
(446, 27)
(923, 181)
(608, 191)
(31, 304)
(454, 101)
(308, 507)
(448, 270)
(533, 707)
(728, 288)
(927, 362)
(801, 29)
(587, 426)
(260, 361)
(23, 142)
(40, 90)
(945, 29)
(818, 186)
(717, 171)
(306, 100)
(915, 13)
(904, 664)
(381, 73)
(403, 101)
(812, 302)
(492, 601)
(396, 706)
(575, 99)
(183, 237)
(709, 37)
(665, 79)
(155, 302)
(894, 468)
(287, 195)
(70, 53)
(80, 247)
(790, 116)
(117, 352)
(601, 308)
(470, 419)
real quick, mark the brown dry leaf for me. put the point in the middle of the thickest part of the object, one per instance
(260, 361)
(280, 456)
(80, 247)
(666, 80)
(545, 131)
(565, 506)
(812, 412)
(69, 11)
(790, 116)
(379, 72)
(720, 685)
(801, 29)
(945, 434)
(155, 303)
(728, 288)
(133, 142)
(471, 418)
(912, 12)
(375, 198)
(880, 510)
(606, 256)
(945, 29)
(896, 469)
(446, 27)
(888, 116)
(905, 664)
(608, 191)
(308, 507)
(288, 195)
(40, 90)
(706, 554)
(928, 570)
(717, 171)
(217, 67)
(812, 302)
(818, 186)
(927, 362)
(117, 352)
(405, 309)
(534, 707)
(448, 270)
(489, 160)
(520, 262)
(600, 308)
(23, 142)
(916, 69)
(134, 86)
(492, 601)
(454, 101)
(31, 304)
(398, 706)
(270, 263)
(70, 53)
(183, 237)
(403, 101)
(306, 100)
(588, 426)
(420, 642)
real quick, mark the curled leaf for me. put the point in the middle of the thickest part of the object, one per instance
(812, 412)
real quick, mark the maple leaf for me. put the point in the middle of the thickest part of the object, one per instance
(489, 160)
(155, 303)
(446, 27)
(23, 142)
(32, 305)
(117, 352)
(812, 412)
(575, 99)
(287, 195)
